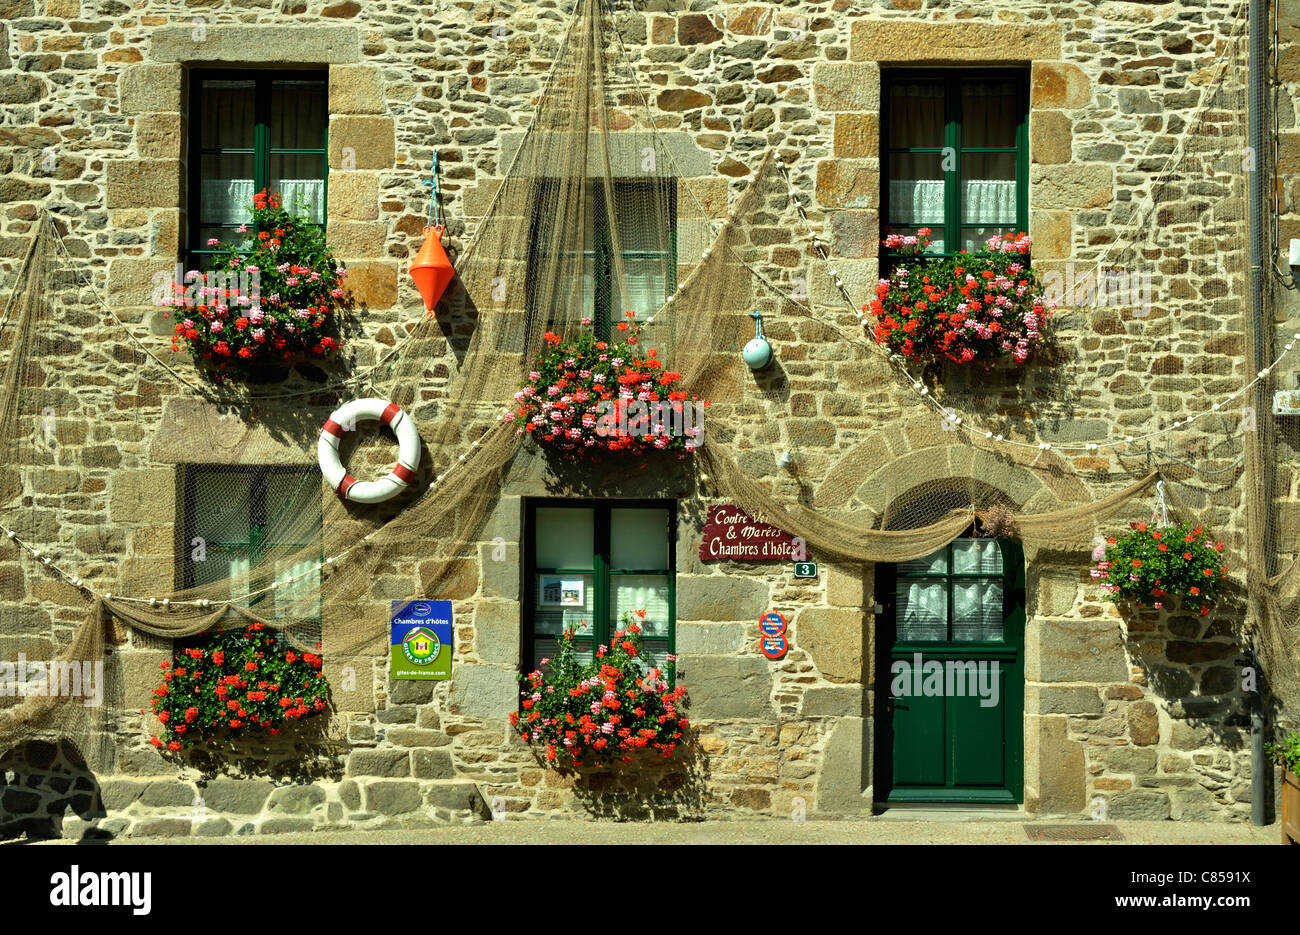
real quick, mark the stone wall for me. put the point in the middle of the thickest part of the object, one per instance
(1141, 712)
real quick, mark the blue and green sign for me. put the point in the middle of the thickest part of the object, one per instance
(421, 640)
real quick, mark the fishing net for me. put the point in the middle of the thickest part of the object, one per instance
(148, 504)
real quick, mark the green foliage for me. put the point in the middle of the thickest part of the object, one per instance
(236, 683)
(1286, 753)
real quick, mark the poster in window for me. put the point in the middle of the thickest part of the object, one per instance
(562, 592)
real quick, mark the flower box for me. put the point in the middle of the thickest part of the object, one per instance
(598, 396)
(970, 308)
(267, 302)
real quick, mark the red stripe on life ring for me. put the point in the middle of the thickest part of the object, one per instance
(333, 428)
(345, 485)
(390, 412)
(403, 473)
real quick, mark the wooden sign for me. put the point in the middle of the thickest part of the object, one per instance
(731, 533)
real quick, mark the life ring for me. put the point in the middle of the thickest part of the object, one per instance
(344, 419)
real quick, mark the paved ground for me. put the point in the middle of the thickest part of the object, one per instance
(872, 831)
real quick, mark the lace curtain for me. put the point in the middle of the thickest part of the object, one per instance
(977, 603)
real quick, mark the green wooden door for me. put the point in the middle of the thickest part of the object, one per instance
(950, 675)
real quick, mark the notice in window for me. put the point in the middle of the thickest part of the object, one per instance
(562, 592)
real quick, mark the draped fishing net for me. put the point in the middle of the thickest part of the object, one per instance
(167, 505)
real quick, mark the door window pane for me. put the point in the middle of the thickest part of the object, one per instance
(565, 538)
(922, 609)
(934, 564)
(977, 609)
(976, 556)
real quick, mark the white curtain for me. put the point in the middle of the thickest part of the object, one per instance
(976, 610)
(227, 201)
(919, 202)
(642, 592)
(922, 610)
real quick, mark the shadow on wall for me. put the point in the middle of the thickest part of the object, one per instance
(1197, 665)
(39, 782)
(300, 754)
(673, 790)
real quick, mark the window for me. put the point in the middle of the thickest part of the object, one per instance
(953, 595)
(956, 147)
(646, 215)
(241, 519)
(587, 563)
(249, 131)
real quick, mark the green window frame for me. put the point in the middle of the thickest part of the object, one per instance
(262, 150)
(603, 574)
(236, 527)
(600, 253)
(954, 144)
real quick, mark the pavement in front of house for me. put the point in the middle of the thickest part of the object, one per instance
(878, 830)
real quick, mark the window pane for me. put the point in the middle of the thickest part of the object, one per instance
(293, 508)
(988, 188)
(564, 602)
(972, 556)
(976, 610)
(646, 285)
(639, 538)
(916, 114)
(922, 609)
(916, 189)
(564, 537)
(656, 652)
(640, 592)
(226, 190)
(642, 214)
(300, 180)
(934, 564)
(228, 114)
(990, 113)
(299, 113)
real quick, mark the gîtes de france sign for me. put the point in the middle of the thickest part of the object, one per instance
(731, 533)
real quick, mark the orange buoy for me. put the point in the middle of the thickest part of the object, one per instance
(431, 269)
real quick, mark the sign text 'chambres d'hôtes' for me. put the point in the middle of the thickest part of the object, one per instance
(731, 533)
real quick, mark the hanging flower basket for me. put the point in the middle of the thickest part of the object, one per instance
(610, 710)
(592, 395)
(971, 308)
(239, 682)
(268, 300)
(1150, 565)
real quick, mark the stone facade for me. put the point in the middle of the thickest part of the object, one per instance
(1143, 713)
